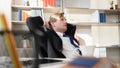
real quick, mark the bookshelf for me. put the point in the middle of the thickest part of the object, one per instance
(91, 29)
(47, 12)
(104, 36)
(20, 11)
(81, 15)
(85, 16)
(20, 28)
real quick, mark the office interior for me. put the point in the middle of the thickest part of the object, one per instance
(97, 26)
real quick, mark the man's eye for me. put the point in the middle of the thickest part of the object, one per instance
(63, 19)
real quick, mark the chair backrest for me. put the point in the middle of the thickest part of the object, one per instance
(70, 29)
(35, 25)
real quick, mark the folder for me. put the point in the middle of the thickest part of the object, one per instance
(90, 62)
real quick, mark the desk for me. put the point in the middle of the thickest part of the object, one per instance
(55, 64)
(52, 65)
(27, 62)
(111, 52)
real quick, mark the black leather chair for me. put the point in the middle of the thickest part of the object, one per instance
(35, 25)
(70, 29)
(47, 42)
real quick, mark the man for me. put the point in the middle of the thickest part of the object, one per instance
(58, 23)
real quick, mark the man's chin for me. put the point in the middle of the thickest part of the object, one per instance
(65, 29)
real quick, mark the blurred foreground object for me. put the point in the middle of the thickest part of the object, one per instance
(90, 62)
(10, 42)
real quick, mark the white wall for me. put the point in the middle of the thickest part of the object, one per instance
(105, 35)
(76, 3)
(5, 7)
(101, 4)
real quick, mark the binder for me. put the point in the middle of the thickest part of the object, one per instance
(102, 17)
(19, 15)
(89, 62)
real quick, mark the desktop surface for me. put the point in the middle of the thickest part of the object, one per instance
(43, 62)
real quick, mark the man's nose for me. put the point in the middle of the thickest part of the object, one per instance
(65, 21)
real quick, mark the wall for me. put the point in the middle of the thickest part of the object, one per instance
(5, 7)
(105, 35)
(76, 3)
(101, 4)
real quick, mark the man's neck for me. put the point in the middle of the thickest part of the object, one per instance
(60, 33)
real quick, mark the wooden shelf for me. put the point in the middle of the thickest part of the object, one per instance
(79, 10)
(112, 11)
(19, 26)
(45, 9)
(25, 7)
(87, 10)
(111, 46)
(18, 22)
(51, 10)
(95, 23)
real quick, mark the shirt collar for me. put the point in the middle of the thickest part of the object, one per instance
(60, 34)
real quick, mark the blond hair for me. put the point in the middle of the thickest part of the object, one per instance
(53, 18)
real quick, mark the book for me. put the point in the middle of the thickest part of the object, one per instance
(25, 15)
(102, 17)
(53, 3)
(15, 15)
(19, 15)
(58, 3)
(44, 3)
(49, 3)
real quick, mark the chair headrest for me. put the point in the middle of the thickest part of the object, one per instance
(38, 21)
(70, 29)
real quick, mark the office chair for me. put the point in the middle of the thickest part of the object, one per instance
(35, 25)
(47, 42)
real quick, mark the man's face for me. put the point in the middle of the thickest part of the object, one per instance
(61, 25)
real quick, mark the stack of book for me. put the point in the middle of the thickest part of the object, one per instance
(23, 15)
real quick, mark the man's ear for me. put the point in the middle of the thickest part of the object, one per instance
(52, 24)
